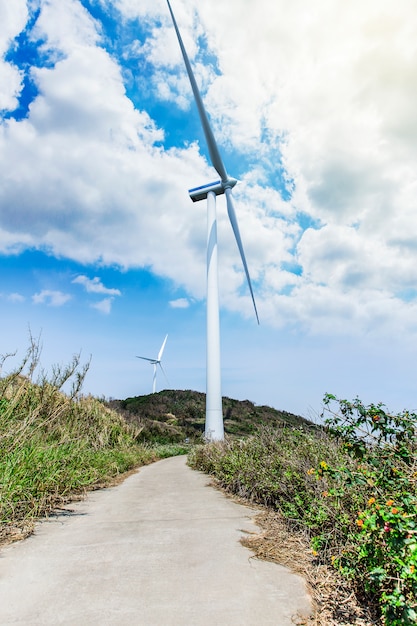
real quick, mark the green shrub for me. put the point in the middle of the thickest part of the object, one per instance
(380, 550)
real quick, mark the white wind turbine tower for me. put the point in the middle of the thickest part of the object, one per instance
(214, 429)
(156, 362)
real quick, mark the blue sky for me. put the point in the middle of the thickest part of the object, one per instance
(101, 250)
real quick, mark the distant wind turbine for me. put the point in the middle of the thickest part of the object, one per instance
(214, 429)
(155, 363)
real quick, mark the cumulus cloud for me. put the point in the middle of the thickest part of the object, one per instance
(333, 85)
(13, 18)
(104, 306)
(51, 298)
(15, 297)
(180, 303)
(94, 285)
(317, 100)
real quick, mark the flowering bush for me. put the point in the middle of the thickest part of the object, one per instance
(380, 554)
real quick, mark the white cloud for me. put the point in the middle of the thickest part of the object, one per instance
(51, 298)
(323, 93)
(104, 306)
(12, 79)
(78, 29)
(180, 303)
(13, 18)
(136, 8)
(94, 285)
(15, 297)
(334, 83)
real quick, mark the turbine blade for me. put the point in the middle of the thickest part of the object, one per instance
(146, 359)
(163, 371)
(235, 226)
(215, 157)
(161, 351)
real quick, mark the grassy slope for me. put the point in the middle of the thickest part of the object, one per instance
(53, 448)
(171, 415)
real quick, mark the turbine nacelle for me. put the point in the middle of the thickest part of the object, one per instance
(218, 187)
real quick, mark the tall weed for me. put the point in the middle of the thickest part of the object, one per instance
(55, 444)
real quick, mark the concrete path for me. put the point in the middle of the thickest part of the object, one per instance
(161, 549)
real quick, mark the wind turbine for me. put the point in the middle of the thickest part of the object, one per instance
(214, 429)
(156, 362)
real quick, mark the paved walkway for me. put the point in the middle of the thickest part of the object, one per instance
(161, 549)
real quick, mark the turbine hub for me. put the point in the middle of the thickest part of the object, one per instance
(230, 183)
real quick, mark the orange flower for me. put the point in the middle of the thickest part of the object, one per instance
(310, 471)
(359, 522)
(325, 494)
(371, 501)
(394, 510)
(390, 502)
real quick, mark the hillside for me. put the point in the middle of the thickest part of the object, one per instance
(173, 415)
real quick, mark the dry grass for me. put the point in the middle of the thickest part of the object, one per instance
(15, 532)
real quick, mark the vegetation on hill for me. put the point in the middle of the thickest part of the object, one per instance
(173, 415)
(351, 490)
(55, 446)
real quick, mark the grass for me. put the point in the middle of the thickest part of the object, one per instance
(54, 446)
